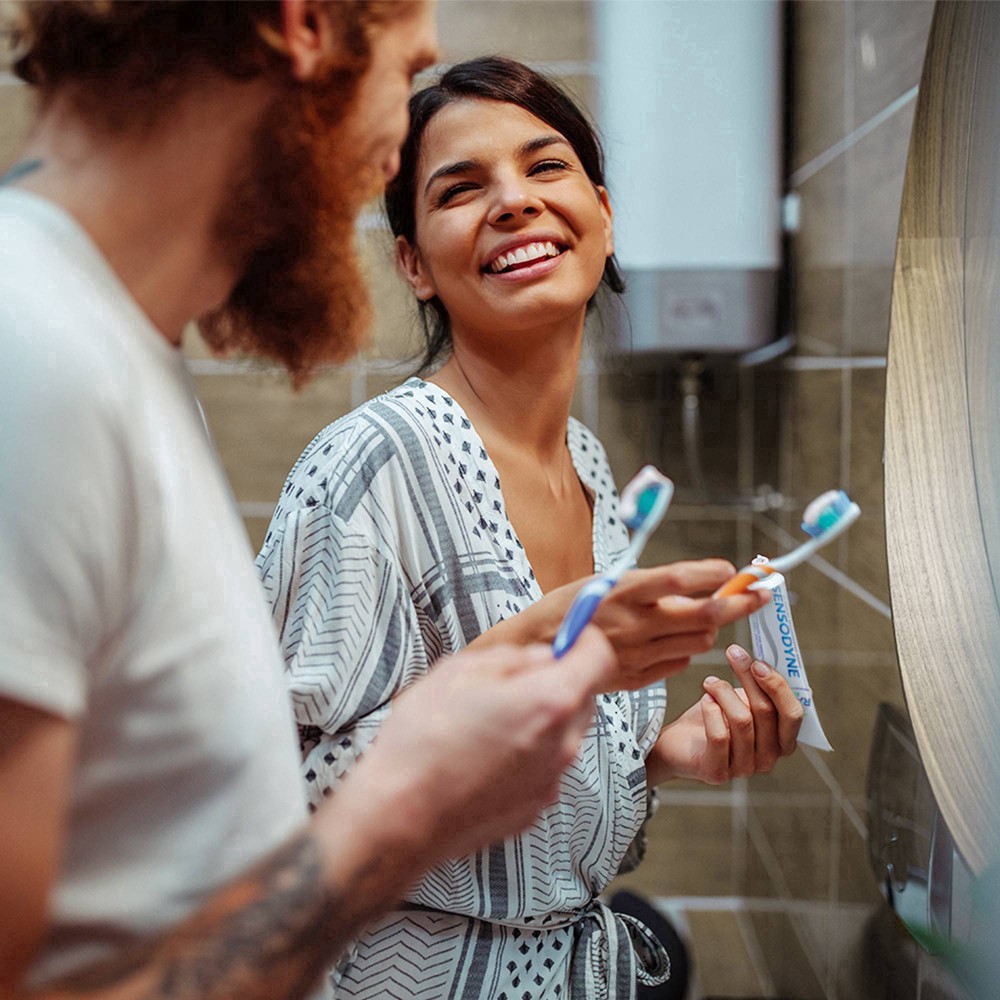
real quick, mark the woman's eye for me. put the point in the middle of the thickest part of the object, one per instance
(448, 193)
(549, 165)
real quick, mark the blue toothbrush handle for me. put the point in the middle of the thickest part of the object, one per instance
(580, 612)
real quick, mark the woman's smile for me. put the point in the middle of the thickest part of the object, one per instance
(525, 259)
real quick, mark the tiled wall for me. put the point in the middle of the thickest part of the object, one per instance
(769, 877)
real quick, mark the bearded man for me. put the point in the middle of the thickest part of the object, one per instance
(201, 159)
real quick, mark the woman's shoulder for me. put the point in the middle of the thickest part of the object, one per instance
(362, 450)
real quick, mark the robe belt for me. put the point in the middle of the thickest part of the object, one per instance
(611, 951)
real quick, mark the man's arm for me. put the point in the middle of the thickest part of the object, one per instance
(470, 754)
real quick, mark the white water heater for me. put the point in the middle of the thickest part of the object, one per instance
(690, 112)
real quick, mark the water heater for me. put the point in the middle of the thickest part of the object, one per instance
(690, 112)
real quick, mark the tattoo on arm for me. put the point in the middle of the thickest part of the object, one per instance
(263, 938)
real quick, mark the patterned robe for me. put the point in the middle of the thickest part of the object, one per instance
(390, 548)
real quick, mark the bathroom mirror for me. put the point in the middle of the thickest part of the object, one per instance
(942, 458)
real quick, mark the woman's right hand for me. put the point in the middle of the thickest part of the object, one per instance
(656, 619)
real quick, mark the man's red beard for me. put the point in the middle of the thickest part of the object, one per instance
(301, 298)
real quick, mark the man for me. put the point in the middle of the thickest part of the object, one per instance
(197, 159)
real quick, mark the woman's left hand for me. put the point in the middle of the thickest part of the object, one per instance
(730, 733)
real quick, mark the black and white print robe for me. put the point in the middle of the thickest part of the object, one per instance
(390, 548)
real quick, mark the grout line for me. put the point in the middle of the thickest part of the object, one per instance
(836, 821)
(767, 855)
(812, 364)
(827, 569)
(754, 952)
(712, 798)
(822, 769)
(824, 159)
(752, 904)
(814, 346)
(846, 443)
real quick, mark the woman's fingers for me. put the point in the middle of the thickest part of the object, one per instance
(694, 578)
(740, 722)
(717, 766)
(776, 708)
(767, 745)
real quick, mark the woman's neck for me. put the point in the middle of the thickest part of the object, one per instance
(517, 392)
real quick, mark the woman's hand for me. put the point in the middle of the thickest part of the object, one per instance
(656, 619)
(730, 733)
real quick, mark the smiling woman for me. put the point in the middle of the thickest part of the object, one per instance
(468, 508)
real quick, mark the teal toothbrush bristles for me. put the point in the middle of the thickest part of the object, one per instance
(644, 504)
(824, 512)
(645, 499)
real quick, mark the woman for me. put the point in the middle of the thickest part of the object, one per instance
(504, 232)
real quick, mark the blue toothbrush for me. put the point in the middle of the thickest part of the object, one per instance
(643, 503)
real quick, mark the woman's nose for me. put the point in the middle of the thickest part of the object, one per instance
(512, 201)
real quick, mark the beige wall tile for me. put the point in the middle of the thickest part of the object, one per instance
(867, 563)
(544, 30)
(887, 51)
(787, 964)
(799, 839)
(876, 166)
(628, 422)
(822, 240)
(721, 961)
(820, 254)
(819, 39)
(396, 328)
(16, 112)
(793, 775)
(260, 426)
(819, 301)
(848, 705)
(690, 854)
(867, 294)
(814, 411)
(256, 529)
(856, 880)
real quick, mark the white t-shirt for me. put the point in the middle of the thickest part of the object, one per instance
(128, 601)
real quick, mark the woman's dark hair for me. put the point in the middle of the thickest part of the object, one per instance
(490, 78)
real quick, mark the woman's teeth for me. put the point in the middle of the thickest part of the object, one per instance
(524, 255)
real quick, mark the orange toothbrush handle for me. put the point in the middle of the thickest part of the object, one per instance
(744, 578)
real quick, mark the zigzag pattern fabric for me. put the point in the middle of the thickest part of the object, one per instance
(389, 549)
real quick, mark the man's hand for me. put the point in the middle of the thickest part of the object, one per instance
(473, 752)
(656, 619)
(730, 733)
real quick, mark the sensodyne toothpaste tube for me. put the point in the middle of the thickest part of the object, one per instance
(774, 642)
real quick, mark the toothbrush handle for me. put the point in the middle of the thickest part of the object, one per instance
(744, 578)
(580, 612)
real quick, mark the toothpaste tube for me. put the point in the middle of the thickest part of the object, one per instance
(774, 642)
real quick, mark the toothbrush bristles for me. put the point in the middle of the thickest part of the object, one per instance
(824, 512)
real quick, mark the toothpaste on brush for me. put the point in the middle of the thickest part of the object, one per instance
(774, 642)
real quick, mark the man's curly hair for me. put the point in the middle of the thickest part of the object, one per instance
(124, 62)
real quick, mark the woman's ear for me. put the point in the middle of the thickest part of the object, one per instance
(307, 35)
(412, 267)
(609, 220)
